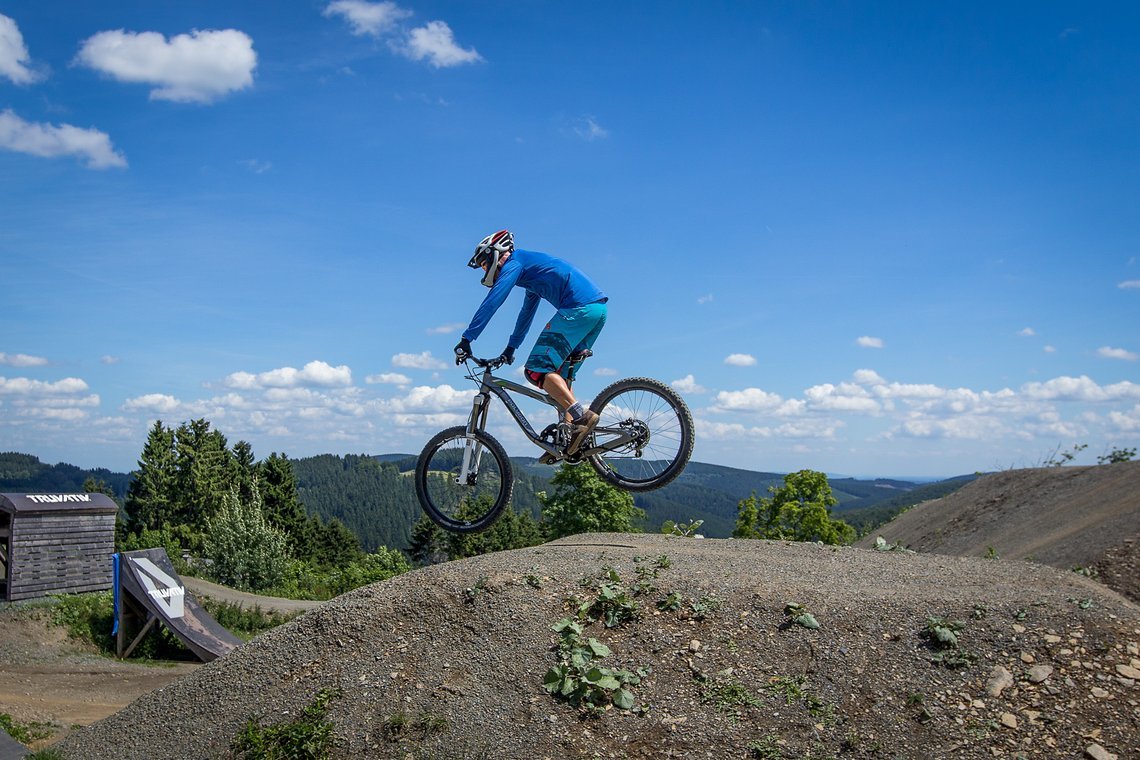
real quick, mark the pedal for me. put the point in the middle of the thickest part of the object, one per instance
(547, 458)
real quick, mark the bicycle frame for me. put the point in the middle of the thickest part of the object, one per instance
(500, 387)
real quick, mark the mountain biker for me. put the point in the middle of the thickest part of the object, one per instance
(581, 315)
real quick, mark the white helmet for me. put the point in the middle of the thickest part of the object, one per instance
(490, 252)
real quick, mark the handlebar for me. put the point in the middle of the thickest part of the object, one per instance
(491, 364)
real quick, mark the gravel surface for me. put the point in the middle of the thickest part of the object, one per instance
(448, 661)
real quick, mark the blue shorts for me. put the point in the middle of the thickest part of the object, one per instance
(570, 330)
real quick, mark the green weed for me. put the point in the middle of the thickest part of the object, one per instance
(580, 680)
(942, 636)
(729, 696)
(308, 737)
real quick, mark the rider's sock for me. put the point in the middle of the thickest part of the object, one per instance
(576, 411)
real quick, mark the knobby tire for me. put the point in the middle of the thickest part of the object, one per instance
(664, 413)
(456, 508)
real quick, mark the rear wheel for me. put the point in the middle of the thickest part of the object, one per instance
(474, 504)
(646, 431)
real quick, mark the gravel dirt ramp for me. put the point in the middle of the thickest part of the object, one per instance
(448, 661)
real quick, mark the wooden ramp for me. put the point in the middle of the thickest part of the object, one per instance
(147, 592)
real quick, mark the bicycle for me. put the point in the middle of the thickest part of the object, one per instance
(643, 441)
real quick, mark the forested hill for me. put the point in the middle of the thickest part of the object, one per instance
(21, 473)
(374, 496)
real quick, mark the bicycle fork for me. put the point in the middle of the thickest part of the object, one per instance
(473, 450)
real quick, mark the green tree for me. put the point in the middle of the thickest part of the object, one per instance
(206, 471)
(513, 530)
(282, 507)
(427, 544)
(246, 552)
(151, 495)
(335, 545)
(584, 503)
(799, 510)
(245, 470)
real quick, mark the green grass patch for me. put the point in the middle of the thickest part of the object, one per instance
(245, 622)
(308, 737)
(25, 733)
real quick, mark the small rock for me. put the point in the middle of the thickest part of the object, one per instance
(1009, 720)
(1027, 658)
(1000, 680)
(1100, 693)
(1128, 671)
(1018, 628)
(695, 645)
(1052, 638)
(1097, 752)
(1039, 673)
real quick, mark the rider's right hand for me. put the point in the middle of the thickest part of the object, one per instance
(462, 351)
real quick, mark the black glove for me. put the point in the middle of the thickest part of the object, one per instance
(462, 351)
(508, 356)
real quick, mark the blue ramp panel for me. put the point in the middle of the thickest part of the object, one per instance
(147, 581)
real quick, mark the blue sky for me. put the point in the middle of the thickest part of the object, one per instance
(864, 238)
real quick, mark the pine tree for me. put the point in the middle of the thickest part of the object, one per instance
(282, 507)
(151, 495)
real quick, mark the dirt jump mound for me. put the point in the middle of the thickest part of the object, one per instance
(651, 646)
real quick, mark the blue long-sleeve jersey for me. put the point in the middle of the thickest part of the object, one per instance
(544, 278)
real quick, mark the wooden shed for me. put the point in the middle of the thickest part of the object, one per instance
(55, 543)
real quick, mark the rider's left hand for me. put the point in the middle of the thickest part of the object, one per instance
(508, 356)
(462, 351)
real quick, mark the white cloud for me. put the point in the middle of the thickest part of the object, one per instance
(51, 141)
(1107, 352)
(372, 19)
(588, 129)
(1027, 332)
(1081, 388)
(605, 372)
(845, 397)
(687, 384)
(109, 360)
(426, 399)
(435, 42)
(22, 360)
(15, 64)
(22, 386)
(707, 298)
(740, 360)
(747, 400)
(868, 377)
(257, 167)
(418, 361)
(1129, 285)
(866, 341)
(1049, 349)
(314, 373)
(198, 67)
(156, 403)
(1127, 421)
(446, 329)
(389, 378)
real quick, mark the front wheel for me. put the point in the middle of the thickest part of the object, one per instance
(464, 480)
(644, 436)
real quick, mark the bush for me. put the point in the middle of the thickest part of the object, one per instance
(247, 553)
